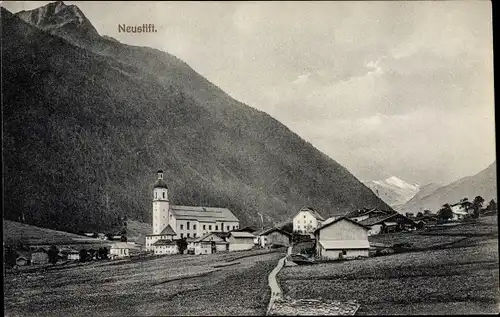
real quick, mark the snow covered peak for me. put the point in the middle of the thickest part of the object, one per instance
(393, 180)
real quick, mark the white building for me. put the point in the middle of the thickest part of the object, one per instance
(341, 238)
(461, 209)
(307, 220)
(165, 246)
(185, 221)
(120, 250)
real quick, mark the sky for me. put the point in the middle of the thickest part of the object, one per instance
(384, 88)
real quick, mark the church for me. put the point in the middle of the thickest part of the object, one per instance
(172, 222)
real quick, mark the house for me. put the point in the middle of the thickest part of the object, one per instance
(363, 214)
(426, 220)
(186, 221)
(307, 220)
(166, 234)
(73, 255)
(461, 210)
(40, 256)
(384, 223)
(213, 242)
(121, 249)
(240, 240)
(273, 236)
(165, 246)
(341, 238)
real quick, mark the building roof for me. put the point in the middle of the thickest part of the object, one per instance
(330, 221)
(270, 230)
(313, 212)
(168, 231)
(122, 245)
(381, 218)
(242, 234)
(160, 183)
(221, 235)
(345, 244)
(363, 212)
(164, 242)
(203, 214)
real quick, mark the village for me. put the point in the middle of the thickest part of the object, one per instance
(202, 230)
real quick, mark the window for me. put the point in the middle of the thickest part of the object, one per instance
(156, 195)
(234, 227)
(227, 228)
(182, 235)
(304, 216)
(344, 252)
(188, 235)
(163, 194)
(187, 225)
(204, 227)
(310, 221)
(182, 227)
(210, 227)
(194, 227)
(216, 227)
(194, 235)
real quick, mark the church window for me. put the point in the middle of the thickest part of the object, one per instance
(210, 227)
(187, 225)
(234, 227)
(194, 227)
(188, 235)
(182, 227)
(163, 194)
(194, 235)
(182, 235)
(204, 227)
(227, 228)
(216, 227)
(156, 195)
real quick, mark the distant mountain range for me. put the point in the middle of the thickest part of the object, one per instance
(87, 121)
(482, 184)
(393, 190)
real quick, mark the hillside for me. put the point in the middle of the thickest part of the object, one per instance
(482, 184)
(88, 121)
(16, 232)
(393, 190)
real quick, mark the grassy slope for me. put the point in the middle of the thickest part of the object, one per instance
(170, 285)
(16, 232)
(84, 132)
(461, 278)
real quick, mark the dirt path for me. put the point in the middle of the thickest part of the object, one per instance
(273, 283)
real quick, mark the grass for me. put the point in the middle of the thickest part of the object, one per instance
(457, 278)
(169, 285)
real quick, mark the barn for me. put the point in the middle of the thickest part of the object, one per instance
(341, 238)
(273, 236)
(240, 240)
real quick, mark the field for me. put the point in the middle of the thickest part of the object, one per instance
(453, 270)
(169, 285)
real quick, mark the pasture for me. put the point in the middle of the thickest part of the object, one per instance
(168, 285)
(452, 270)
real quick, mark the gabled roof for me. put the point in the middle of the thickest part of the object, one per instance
(242, 234)
(270, 230)
(363, 212)
(381, 218)
(333, 220)
(220, 235)
(168, 231)
(164, 242)
(203, 214)
(312, 211)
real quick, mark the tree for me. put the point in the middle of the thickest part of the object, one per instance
(492, 205)
(476, 205)
(83, 255)
(419, 214)
(181, 245)
(10, 256)
(445, 212)
(53, 254)
(123, 238)
(427, 212)
(103, 253)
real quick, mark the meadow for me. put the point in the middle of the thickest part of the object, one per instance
(167, 285)
(452, 270)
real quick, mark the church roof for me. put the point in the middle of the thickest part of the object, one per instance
(207, 214)
(313, 212)
(168, 231)
(160, 183)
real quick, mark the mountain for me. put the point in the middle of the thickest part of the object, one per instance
(87, 122)
(482, 184)
(393, 190)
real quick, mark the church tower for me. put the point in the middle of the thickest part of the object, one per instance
(161, 212)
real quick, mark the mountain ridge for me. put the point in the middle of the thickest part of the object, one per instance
(393, 190)
(87, 124)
